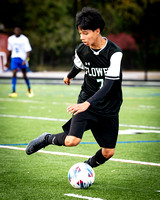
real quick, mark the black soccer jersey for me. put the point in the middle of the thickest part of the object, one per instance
(100, 65)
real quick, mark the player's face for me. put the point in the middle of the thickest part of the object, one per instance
(17, 31)
(89, 37)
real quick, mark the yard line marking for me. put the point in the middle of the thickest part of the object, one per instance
(64, 120)
(30, 101)
(147, 106)
(135, 131)
(82, 197)
(84, 156)
(135, 162)
(55, 103)
(19, 100)
(30, 117)
(139, 126)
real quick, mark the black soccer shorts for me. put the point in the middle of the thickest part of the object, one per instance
(104, 129)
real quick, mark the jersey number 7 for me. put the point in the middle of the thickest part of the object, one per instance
(101, 81)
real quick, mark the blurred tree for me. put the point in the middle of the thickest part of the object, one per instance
(49, 26)
(140, 18)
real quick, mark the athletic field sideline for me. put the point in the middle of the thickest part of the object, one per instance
(133, 172)
(130, 78)
(127, 75)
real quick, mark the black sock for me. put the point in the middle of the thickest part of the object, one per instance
(56, 139)
(97, 159)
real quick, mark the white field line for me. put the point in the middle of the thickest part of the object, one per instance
(83, 156)
(30, 101)
(19, 100)
(30, 117)
(135, 131)
(82, 197)
(64, 120)
(140, 126)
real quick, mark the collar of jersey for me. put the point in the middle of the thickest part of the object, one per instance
(97, 52)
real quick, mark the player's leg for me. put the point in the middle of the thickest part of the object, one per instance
(44, 140)
(24, 72)
(60, 139)
(72, 141)
(101, 156)
(14, 80)
(73, 132)
(105, 133)
(14, 68)
(108, 153)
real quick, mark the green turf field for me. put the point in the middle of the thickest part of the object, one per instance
(44, 176)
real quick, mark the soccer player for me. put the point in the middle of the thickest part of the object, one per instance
(100, 97)
(19, 49)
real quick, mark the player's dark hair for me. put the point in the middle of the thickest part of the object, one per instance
(89, 18)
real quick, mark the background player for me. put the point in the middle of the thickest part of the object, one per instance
(100, 97)
(19, 49)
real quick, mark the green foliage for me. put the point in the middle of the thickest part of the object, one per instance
(50, 26)
(130, 11)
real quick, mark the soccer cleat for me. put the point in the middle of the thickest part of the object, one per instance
(13, 94)
(30, 94)
(88, 161)
(37, 144)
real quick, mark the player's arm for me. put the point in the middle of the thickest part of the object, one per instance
(81, 107)
(77, 67)
(28, 49)
(113, 74)
(8, 58)
(77, 108)
(74, 71)
(9, 47)
(93, 100)
(27, 57)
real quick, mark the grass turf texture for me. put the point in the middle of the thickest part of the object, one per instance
(44, 176)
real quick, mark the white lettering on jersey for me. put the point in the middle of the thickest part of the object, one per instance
(112, 72)
(96, 71)
(99, 71)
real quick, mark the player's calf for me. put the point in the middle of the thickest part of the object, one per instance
(97, 159)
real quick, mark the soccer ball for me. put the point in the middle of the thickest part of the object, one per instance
(81, 175)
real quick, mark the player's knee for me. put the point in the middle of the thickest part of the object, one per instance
(72, 141)
(107, 153)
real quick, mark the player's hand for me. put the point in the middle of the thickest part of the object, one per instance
(77, 108)
(67, 81)
(24, 62)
